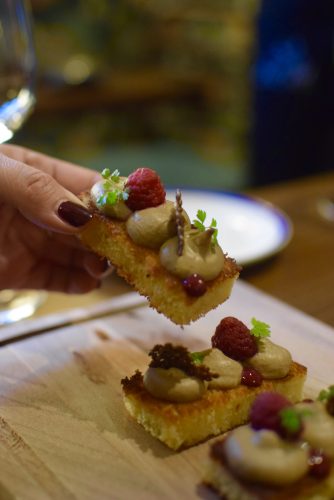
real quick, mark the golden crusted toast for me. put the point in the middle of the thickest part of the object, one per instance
(228, 486)
(181, 425)
(269, 471)
(141, 268)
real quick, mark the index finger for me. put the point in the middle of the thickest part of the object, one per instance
(74, 178)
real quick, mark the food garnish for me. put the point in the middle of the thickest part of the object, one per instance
(198, 357)
(275, 412)
(145, 189)
(266, 409)
(113, 186)
(171, 356)
(179, 223)
(320, 464)
(234, 339)
(194, 285)
(251, 377)
(327, 395)
(260, 329)
(291, 422)
(199, 224)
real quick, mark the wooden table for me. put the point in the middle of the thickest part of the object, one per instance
(64, 430)
(65, 433)
(303, 274)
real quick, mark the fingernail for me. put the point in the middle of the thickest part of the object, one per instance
(73, 214)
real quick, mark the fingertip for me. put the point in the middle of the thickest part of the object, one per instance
(97, 177)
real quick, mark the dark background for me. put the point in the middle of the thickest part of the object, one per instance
(221, 94)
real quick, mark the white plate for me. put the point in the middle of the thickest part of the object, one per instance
(249, 230)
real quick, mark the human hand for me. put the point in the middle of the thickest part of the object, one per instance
(40, 215)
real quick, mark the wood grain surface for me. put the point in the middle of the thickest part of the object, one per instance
(64, 433)
(303, 274)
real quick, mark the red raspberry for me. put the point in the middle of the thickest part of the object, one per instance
(234, 339)
(145, 189)
(265, 411)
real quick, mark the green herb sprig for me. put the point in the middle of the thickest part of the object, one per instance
(326, 394)
(260, 329)
(291, 418)
(199, 223)
(113, 188)
(197, 357)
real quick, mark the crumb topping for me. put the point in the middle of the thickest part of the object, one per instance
(171, 356)
(133, 382)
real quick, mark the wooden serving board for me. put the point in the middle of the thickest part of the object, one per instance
(64, 433)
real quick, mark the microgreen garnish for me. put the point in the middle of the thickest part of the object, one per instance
(260, 329)
(290, 419)
(199, 223)
(113, 188)
(197, 357)
(326, 394)
(114, 176)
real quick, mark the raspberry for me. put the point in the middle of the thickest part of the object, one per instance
(194, 285)
(145, 189)
(234, 339)
(251, 377)
(265, 411)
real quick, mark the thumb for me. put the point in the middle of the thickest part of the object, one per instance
(39, 197)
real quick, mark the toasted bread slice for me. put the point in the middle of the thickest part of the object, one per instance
(227, 481)
(141, 268)
(228, 486)
(181, 425)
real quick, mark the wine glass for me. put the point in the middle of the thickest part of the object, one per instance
(17, 99)
(17, 66)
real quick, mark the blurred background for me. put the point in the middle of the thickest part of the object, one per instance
(222, 94)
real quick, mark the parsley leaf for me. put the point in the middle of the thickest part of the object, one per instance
(197, 357)
(201, 215)
(199, 223)
(213, 225)
(260, 329)
(105, 173)
(290, 419)
(326, 394)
